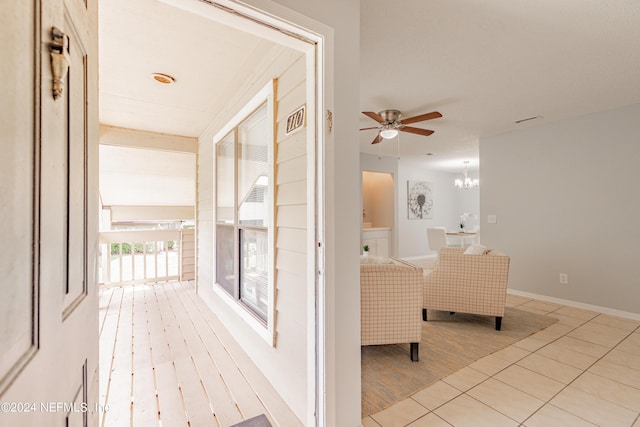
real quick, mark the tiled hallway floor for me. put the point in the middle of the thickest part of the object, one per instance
(583, 370)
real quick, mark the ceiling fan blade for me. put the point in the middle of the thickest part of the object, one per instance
(374, 116)
(418, 131)
(375, 127)
(377, 140)
(421, 118)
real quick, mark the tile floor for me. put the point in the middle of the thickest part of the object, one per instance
(583, 370)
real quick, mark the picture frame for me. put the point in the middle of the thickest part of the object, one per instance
(419, 200)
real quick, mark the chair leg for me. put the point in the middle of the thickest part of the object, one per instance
(498, 323)
(424, 314)
(414, 352)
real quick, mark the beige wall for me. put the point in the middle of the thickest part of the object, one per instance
(565, 197)
(378, 198)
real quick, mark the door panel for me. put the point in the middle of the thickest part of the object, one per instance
(18, 189)
(49, 216)
(76, 140)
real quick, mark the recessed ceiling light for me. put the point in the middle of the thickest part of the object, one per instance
(163, 78)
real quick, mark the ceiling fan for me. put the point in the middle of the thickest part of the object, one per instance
(389, 123)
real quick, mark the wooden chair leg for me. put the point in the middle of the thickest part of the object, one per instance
(424, 314)
(498, 323)
(414, 352)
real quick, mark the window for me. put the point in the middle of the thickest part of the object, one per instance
(244, 209)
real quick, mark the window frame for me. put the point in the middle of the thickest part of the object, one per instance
(266, 329)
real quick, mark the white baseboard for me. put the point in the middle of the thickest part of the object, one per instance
(570, 303)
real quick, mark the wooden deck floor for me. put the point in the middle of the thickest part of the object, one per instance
(165, 360)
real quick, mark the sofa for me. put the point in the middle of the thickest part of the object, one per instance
(468, 283)
(390, 303)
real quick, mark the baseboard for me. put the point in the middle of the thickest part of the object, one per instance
(575, 304)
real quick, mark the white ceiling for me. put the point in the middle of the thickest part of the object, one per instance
(482, 64)
(486, 64)
(208, 60)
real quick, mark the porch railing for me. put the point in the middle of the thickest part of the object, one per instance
(139, 256)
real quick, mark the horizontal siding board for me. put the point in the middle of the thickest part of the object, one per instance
(293, 216)
(292, 289)
(291, 262)
(290, 79)
(291, 147)
(291, 102)
(293, 193)
(292, 170)
(292, 239)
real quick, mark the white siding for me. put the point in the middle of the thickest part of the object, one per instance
(187, 255)
(286, 364)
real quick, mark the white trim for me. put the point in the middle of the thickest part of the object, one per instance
(222, 11)
(576, 304)
(320, 339)
(243, 312)
(267, 332)
(264, 94)
(314, 134)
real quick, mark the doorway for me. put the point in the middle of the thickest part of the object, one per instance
(378, 213)
(231, 55)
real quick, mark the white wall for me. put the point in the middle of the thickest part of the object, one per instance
(448, 202)
(566, 199)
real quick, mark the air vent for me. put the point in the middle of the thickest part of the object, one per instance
(527, 119)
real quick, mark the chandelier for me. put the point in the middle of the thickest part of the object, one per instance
(467, 182)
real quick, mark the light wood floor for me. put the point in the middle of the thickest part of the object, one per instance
(165, 360)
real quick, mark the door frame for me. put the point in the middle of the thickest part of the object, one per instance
(282, 25)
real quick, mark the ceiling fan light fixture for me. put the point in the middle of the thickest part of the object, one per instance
(389, 133)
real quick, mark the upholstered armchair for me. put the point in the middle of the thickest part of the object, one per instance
(465, 283)
(390, 302)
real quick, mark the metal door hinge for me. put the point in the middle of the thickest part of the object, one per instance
(60, 62)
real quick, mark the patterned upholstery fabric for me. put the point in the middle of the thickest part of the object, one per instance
(390, 303)
(475, 284)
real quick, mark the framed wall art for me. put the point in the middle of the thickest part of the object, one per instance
(420, 199)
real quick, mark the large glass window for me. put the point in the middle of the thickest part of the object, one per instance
(244, 212)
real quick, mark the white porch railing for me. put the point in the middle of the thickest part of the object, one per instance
(139, 256)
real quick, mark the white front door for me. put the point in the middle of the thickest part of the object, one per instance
(48, 214)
